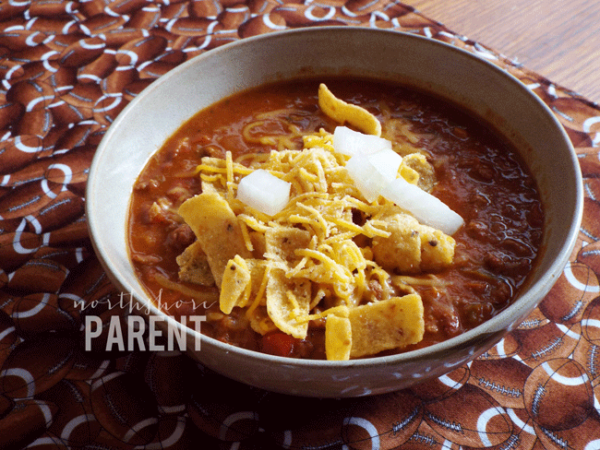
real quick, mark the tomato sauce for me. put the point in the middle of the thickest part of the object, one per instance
(479, 175)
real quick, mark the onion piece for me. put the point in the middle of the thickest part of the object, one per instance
(426, 208)
(265, 192)
(350, 142)
(371, 173)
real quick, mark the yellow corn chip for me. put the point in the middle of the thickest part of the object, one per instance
(193, 266)
(437, 249)
(386, 325)
(236, 280)
(281, 243)
(257, 269)
(288, 299)
(338, 338)
(217, 229)
(411, 247)
(401, 251)
(343, 112)
(241, 282)
(259, 246)
(426, 174)
(409, 174)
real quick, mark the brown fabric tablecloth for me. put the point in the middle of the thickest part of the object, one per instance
(67, 69)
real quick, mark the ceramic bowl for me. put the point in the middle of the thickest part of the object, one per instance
(451, 73)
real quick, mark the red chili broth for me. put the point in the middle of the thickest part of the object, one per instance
(480, 176)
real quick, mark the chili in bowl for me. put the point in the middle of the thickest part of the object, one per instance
(364, 217)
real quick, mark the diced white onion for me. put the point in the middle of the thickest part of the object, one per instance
(426, 208)
(264, 192)
(350, 142)
(371, 173)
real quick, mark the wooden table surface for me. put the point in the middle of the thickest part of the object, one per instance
(557, 39)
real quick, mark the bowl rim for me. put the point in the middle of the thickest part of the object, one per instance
(525, 303)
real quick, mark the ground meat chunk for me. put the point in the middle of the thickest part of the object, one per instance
(181, 237)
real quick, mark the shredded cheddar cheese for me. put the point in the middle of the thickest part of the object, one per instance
(307, 254)
(323, 199)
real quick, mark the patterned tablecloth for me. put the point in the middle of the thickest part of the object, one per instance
(67, 68)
